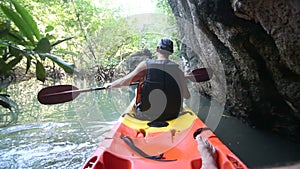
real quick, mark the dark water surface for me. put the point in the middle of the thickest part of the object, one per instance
(255, 147)
(258, 149)
(64, 136)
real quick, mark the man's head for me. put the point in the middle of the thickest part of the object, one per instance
(165, 46)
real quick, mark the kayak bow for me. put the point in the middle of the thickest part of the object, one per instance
(133, 144)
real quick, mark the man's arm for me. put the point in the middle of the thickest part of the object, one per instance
(184, 88)
(137, 74)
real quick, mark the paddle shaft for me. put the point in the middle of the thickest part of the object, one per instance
(74, 91)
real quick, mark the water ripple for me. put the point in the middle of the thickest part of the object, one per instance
(47, 145)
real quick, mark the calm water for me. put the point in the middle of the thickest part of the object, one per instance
(64, 136)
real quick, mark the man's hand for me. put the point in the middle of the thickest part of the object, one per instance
(107, 85)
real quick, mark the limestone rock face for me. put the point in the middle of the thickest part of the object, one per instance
(281, 20)
(257, 44)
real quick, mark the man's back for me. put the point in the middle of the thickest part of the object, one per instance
(160, 94)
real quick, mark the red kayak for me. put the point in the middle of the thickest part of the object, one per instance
(136, 144)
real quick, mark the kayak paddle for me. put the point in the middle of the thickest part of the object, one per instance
(200, 75)
(65, 93)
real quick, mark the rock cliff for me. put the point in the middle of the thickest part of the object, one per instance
(252, 47)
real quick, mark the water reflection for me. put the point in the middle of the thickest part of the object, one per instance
(24, 94)
(98, 105)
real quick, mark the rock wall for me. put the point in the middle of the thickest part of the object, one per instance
(257, 43)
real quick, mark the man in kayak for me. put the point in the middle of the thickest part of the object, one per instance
(162, 85)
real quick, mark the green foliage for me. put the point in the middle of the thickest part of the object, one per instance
(105, 36)
(23, 40)
(28, 19)
(43, 46)
(40, 71)
(164, 6)
(11, 115)
(26, 42)
(4, 101)
(100, 34)
(68, 67)
(19, 21)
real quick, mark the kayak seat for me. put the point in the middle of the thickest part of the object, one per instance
(158, 124)
(185, 112)
(164, 123)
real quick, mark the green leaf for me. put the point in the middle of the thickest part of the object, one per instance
(5, 104)
(7, 33)
(68, 67)
(49, 28)
(2, 95)
(15, 37)
(14, 62)
(40, 71)
(50, 36)
(19, 22)
(43, 46)
(60, 41)
(3, 67)
(4, 33)
(13, 51)
(28, 62)
(28, 19)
